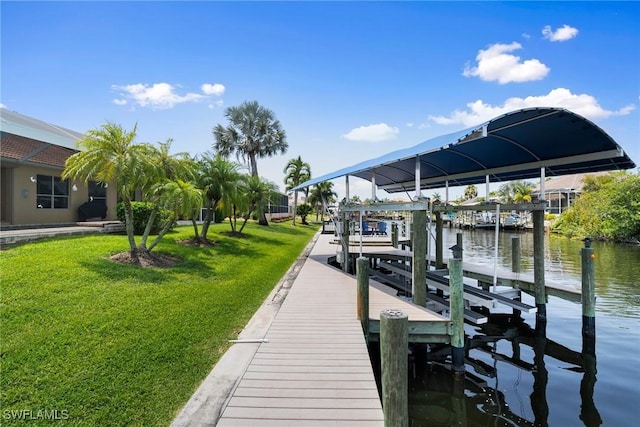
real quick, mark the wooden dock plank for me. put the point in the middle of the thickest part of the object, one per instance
(314, 366)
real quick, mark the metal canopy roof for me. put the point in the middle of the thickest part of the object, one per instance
(513, 146)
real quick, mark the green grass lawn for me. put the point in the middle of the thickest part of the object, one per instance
(110, 344)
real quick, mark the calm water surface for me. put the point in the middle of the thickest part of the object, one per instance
(526, 381)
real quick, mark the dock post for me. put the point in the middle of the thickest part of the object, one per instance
(515, 267)
(362, 273)
(345, 242)
(394, 341)
(419, 268)
(588, 299)
(439, 262)
(459, 242)
(456, 308)
(394, 235)
(515, 254)
(538, 263)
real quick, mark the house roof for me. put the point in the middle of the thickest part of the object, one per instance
(28, 140)
(512, 146)
(29, 127)
(565, 183)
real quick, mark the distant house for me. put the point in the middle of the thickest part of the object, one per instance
(32, 157)
(561, 192)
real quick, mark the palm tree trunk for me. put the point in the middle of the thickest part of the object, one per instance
(195, 229)
(295, 206)
(147, 228)
(162, 232)
(128, 223)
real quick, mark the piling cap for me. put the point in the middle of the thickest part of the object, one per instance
(457, 251)
(587, 242)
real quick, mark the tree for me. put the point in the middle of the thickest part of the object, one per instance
(253, 132)
(436, 198)
(167, 168)
(109, 154)
(322, 193)
(219, 179)
(470, 192)
(304, 210)
(181, 199)
(522, 192)
(256, 193)
(296, 172)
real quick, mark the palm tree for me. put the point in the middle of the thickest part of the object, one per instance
(256, 193)
(218, 178)
(167, 167)
(109, 154)
(437, 198)
(181, 198)
(253, 132)
(470, 192)
(296, 172)
(322, 193)
(522, 192)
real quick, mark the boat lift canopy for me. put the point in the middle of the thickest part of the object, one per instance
(514, 146)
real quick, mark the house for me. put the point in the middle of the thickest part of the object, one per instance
(561, 192)
(32, 157)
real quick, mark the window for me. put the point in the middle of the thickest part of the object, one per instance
(97, 192)
(52, 192)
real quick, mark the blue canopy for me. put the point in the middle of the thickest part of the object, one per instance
(513, 146)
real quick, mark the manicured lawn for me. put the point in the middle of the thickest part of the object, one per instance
(118, 345)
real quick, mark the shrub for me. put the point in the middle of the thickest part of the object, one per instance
(141, 213)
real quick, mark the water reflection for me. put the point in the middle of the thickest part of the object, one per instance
(437, 397)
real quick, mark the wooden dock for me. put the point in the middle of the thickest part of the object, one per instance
(313, 368)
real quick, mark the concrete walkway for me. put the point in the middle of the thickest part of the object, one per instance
(23, 235)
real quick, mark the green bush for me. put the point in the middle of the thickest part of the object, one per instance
(141, 213)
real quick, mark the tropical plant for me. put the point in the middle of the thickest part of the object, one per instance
(107, 155)
(436, 198)
(322, 193)
(470, 192)
(219, 179)
(256, 193)
(179, 197)
(607, 209)
(304, 210)
(297, 172)
(522, 192)
(168, 168)
(253, 132)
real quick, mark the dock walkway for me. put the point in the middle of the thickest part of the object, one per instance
(313, 368)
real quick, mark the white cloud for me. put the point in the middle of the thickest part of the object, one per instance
(526, 36)
(216, 89)
(156, 96)
(120, 101)
(218, 103)
(479, 112)
(496, 63)
(2, 105)
(409, 124)
(561, 34)
(372, 133)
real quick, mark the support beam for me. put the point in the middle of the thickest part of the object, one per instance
(456, 308)
(362, 274)
(417, 178)
(419, 268)
(538, 263)
(588, 300)
(439, 237)
(394, 341)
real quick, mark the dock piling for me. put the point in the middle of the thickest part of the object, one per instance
(439, 237)
(394, 341)
(588, 299)
(419, 240)
(362, 303)
(538, 263)
(515, 254)
(394, 235)
(459, 242)
(456, 308)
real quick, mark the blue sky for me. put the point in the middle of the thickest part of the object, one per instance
(348, 81)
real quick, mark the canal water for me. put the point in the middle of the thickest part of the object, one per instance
(515, 378)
